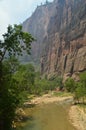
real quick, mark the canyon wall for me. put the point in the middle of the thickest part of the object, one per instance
(60, 30)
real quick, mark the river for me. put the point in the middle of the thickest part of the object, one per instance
(52, 116)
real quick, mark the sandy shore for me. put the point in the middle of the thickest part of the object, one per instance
(76, 115)
(48, 98)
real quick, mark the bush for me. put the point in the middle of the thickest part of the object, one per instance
(80, 92)
(77, 88)
(70, 85)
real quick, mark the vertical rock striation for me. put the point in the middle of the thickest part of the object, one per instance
(60, 29)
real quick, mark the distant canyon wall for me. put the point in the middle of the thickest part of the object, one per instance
(60, 30)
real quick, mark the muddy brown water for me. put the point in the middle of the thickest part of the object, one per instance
(53, 116)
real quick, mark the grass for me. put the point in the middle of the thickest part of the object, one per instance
(61, 94)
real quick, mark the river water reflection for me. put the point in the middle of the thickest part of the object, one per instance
(51, 116)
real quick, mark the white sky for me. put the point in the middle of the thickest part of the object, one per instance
(16, 11)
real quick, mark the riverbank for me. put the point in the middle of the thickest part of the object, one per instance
(49, 98)
(76, 115)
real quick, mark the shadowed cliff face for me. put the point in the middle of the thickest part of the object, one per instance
(60, 30)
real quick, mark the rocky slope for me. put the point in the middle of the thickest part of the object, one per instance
(60, 30)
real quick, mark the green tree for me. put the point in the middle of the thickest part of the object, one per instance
(70, 85)
(14, 42)
(80, 92)
(25, 76)
(59, 82)
(83, 79)
(9, 98)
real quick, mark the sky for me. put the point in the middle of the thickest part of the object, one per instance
(16, 11)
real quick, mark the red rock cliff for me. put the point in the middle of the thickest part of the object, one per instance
(60, 29)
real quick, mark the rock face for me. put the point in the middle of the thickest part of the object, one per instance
(37, 25)
(60, 29)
